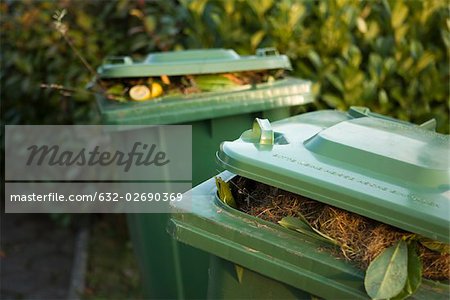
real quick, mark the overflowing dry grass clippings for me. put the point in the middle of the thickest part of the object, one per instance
(361, 239)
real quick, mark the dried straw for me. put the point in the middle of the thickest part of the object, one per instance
(361, 238)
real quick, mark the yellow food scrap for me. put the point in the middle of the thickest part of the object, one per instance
(223, 188)
(165, 79)
(144, 93)
(140, 93)
(156, 90)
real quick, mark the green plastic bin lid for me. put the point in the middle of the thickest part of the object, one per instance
(207, 61)
(382, 168)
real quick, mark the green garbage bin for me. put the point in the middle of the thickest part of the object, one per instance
(390, 171)
(215, 116)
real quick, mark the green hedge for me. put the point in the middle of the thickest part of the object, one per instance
(392, 56)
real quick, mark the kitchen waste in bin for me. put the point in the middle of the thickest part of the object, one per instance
(122, 89)
(188, 72)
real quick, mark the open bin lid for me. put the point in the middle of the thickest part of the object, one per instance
(189, 62)
(382, 168)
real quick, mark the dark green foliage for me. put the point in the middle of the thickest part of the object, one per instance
(33, 52)
(391, 56)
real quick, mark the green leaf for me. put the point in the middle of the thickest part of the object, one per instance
(414, 278)
(387, 273)
(116, 89)
(399, 14)
(315, 59)
(301, 225)
(224, 191)
(333, 100)
(257, 38)
(375, 66)
(261, 7)
(239, 272)
(445, 37)
(389, 65)
(296, 12)
(434, 245)
(383, 97)
(150, 23)
(424, 61)
(416, 49)
(335, 81)
(354, 56)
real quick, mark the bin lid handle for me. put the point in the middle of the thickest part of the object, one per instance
(118, 60)
(269, 51)
(262, 130)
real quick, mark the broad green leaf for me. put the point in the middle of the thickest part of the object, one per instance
(399, 14)
(261, 7)
(150, 23)
(333, 100)
(315, 59)
(414, 278)
(335, 81)
(416, 49)
(197, 6)
(224, 191)
(434, 245)
(445, 34)
(354, 56)
(296, 12)
(257, 38)
(239, 272)
(400, 32)
(361, 24)
(383, 97)
(375, 66)
(424, 61)
(387, 273)
(389, 65)
(354, 81)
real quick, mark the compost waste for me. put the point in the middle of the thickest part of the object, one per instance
(119, 89)
(361, 239)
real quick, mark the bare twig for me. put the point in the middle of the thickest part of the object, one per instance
(63, 29)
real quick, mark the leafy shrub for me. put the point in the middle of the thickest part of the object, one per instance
(33, 52)
(391, 56)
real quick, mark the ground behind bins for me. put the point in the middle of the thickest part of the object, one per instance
(37, 256)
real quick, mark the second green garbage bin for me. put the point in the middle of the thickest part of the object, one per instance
(391, 171)
(171, 269)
